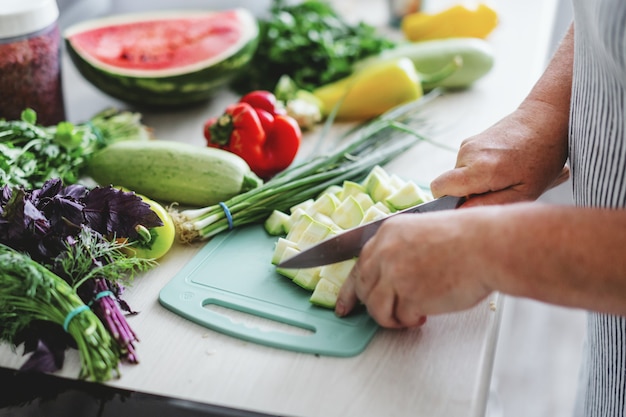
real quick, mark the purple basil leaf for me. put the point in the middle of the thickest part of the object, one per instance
(43, 359)
(111, 211)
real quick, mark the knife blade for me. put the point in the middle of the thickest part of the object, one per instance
(348, 244)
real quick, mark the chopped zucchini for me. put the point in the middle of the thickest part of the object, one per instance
(298, 226)
(374, 213)
(324, 219)
(288, 253)
(378, 184)
(314, 233)
(364, 200)
(351, 188)
(304, 205)
(325, 294)
(396, 182)
(332, 189)
(348, 214)
(307, 278)
(338, 272)
(324, 204)
(275, 223)
(409, 195)
(279, 249)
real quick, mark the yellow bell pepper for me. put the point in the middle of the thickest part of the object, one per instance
(372, 90)
(456, 21)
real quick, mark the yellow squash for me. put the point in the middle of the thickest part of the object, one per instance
(454, 22)
(372, 90)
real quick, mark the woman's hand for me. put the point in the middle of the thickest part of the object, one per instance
(420, 264)
(511, 161)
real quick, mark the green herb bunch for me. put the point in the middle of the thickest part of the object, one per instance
(309, 42)
(31, 154)
(64, 274)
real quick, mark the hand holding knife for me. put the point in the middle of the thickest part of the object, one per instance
(348, 244)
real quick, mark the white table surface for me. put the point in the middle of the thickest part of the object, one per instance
(442, 369)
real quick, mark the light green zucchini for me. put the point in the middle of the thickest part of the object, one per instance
(172, 171)
(430, 56)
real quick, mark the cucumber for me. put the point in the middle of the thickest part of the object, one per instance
(433, 55)
(172, 171)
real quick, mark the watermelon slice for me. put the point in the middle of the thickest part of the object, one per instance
(169, 58)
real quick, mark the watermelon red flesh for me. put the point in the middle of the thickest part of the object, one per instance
(160, 44)
(163, 59)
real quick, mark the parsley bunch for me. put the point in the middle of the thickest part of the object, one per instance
(31, 154)
(310, 43)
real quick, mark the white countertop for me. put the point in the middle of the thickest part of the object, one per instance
(442, 369)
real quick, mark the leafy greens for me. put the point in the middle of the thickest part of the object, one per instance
(309, 42)
(31, 154)
(70, 231)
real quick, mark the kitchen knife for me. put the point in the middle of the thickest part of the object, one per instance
(348, 244)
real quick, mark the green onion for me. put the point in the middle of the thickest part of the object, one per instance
(30, 292)
(370, 144)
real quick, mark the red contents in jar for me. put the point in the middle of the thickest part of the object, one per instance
(30, 76)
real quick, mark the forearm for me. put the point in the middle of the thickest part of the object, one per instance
(548, 103)
(522, 155)
(569, 256)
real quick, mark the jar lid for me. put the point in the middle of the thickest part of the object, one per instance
(21, 17)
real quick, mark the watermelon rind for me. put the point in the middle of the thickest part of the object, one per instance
(166, 87)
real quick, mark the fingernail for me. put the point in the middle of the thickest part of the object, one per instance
(340, 309)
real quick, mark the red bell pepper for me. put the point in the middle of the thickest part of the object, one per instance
(265, 137)
(264, 100)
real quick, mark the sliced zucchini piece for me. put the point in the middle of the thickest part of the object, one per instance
(337, 273)
(351, 188)
(325, 294)
(279, 249)
(275, 223)
(348, 214)
(378, 184)
(299, 225)
(307, 278)
(409, 195)
(364, 200)
(314, 233)
(374, 213)
(324, 204)
(303, 205)
(288, 272)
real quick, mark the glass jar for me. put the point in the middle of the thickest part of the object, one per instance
(30, 67)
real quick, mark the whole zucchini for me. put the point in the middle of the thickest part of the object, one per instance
(431, 56)
(172, 171)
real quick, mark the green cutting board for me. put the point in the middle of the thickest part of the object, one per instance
(233, 271)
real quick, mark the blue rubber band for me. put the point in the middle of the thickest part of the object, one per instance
(73, 314)
(229, 217)
(100, 295)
